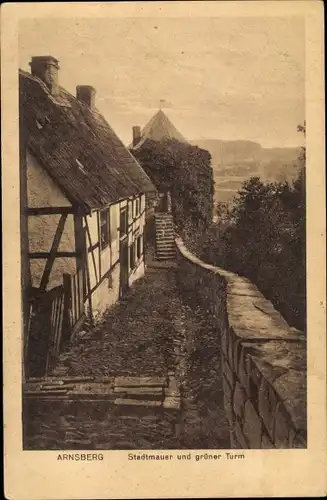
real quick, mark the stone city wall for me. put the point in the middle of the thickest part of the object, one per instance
(263, 358)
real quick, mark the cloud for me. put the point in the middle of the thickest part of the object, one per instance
(225, 78)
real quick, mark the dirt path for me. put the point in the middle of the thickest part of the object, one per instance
(152, 332)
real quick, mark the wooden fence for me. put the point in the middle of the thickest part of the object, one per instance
(45, 327)
(53, 317)
(74, 286)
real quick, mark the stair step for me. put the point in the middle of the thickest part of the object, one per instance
(149, 393)
(125, 381)
(153, 391)
(136, 402)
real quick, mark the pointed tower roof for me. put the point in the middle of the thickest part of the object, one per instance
(158, 129)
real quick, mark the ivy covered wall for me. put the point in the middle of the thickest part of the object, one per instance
(186, 172)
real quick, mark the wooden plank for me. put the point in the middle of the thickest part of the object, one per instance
(78, 295)
(46, 255)
(74, 301)
(140, 381)
(60, 325)
(90, 242)
(67, 299)
(34, 211)
(54, 331)
(54, 248)
(49, 307)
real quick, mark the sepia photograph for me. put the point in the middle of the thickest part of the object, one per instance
(164, 249)
(163, 233)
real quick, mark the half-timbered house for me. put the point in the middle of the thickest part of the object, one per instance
(159, 128)
(83, 196)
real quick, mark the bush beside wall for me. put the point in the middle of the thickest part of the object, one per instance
(263, 358)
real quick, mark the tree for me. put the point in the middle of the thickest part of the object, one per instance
(186, 172)
(262, 236)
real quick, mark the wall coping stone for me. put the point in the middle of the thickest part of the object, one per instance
(250, 314)
(276, 350)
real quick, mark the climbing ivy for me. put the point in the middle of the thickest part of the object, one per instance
(186, 172)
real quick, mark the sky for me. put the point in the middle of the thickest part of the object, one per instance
(221, 78)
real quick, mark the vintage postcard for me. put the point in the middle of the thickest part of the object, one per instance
(164, 236)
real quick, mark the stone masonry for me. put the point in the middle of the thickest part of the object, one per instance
(263, 359)
(147, 377)
(165, 239)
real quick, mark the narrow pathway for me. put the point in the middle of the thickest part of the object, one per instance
(150, 335)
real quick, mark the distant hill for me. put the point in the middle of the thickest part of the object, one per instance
(233, 162)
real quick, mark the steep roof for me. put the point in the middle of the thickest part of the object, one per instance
(159, 128)
(77, 147)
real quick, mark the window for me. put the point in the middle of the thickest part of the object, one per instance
(138, 247)
(137, 207)
(131, 257)
(123, 222)
(104, 228)
(113, 223)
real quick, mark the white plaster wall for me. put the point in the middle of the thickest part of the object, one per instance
(137, 273)
(41, 231)
(43, 192)
(105, 260)
(114, 224)
(92, 222)
(142, 202)
(93, 264)
(123, 203)
(104, 296)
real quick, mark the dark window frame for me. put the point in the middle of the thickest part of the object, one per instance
(137, 207)
(123, 222)
(138, 248)
(104, 227)
(132, 257)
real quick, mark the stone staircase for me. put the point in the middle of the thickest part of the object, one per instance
(165, 236)
(147, 392)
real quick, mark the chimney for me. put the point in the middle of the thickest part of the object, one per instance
(86, 94)
(136, 135)
(46, 68)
